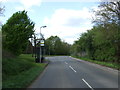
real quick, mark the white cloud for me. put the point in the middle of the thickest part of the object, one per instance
(20, 8)
(67, 24)
(78, 0)
(25, 4)
(4, 1)
(30, 3)
(69, 17)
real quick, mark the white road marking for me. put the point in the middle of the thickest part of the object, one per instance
(66, 63)
(87, 84)
(72, 69)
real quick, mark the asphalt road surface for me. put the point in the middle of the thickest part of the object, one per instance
(68, 72)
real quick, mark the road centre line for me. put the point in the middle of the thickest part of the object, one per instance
(66, 63)
(87, 84)
(72, 69)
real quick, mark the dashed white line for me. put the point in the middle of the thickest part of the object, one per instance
(87, 84)
(72, 69)
(66, 63)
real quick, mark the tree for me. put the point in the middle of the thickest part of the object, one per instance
(84, 45)
(102, 42)
(109, 12)
(55, 46)
(58, 46)
(2, 9)
(108, 16)
(16, 32)
(29, 48)
(49, 45)
(65, 48)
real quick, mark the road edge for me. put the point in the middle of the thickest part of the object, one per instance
(98, 65)
(40, 75)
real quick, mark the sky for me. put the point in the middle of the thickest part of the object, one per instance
(67, 19)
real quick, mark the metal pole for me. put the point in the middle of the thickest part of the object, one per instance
(35, 46)
(41, 37)
(40, 44)
(49, 50)
(32, 47)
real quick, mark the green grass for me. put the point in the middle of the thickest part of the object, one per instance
(107, 64)
(20, 72)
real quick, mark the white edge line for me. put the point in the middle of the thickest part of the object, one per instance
(72, 68)
(76, 59)
(88, 84)
(98, 65)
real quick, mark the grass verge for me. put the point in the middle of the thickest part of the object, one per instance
(19, 72)
(107, 64)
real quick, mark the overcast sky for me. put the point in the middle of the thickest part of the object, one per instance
(65, 19)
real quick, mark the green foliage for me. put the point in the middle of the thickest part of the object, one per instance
(16, 32)
(54, 46)
(102, 42)
(29, 48)
(19, 72)
(98, 44)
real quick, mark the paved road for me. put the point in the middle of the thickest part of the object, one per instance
(68, 72)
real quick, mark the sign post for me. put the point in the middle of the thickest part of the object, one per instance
(41, 49)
